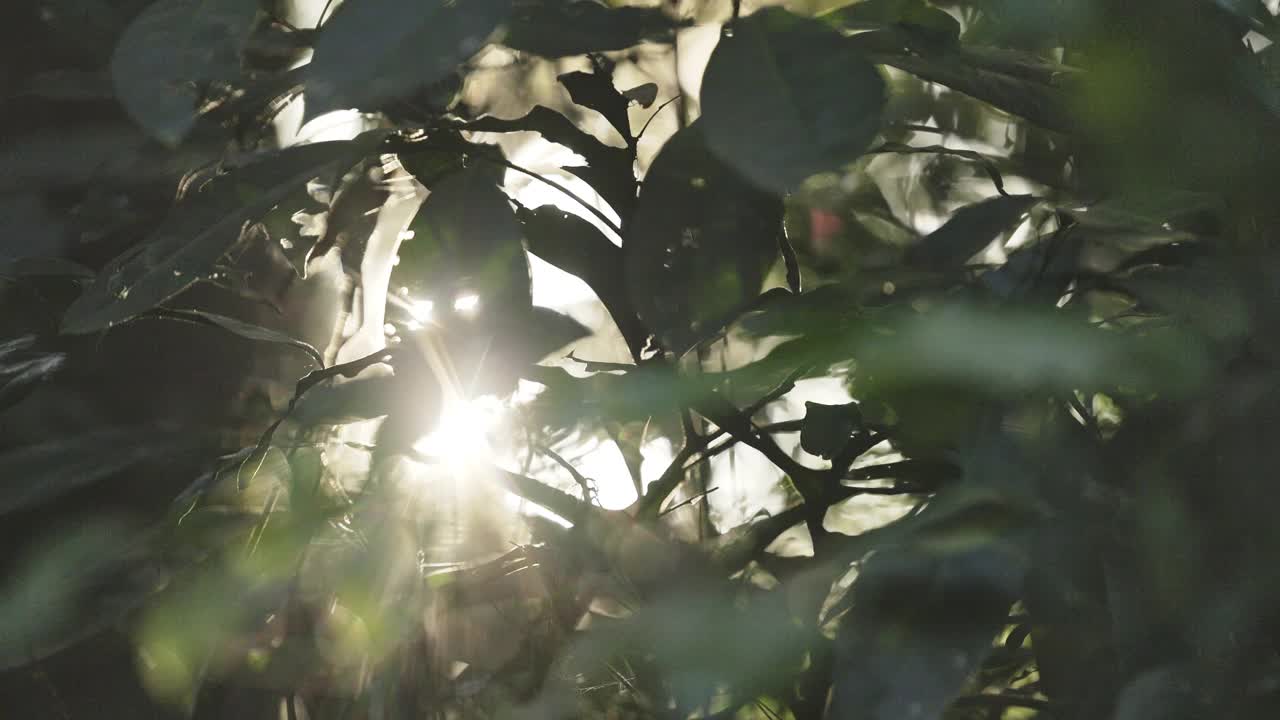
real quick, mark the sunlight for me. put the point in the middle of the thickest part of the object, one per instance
(461, 434)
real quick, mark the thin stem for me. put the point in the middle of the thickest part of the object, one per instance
(655, 114)
(323, 12)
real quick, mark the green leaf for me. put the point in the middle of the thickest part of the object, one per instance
(827, 428)
(201, 230)
(169, 51)
(785, 97)
(22, 368)
(969, 230)
(373, 51)
(78, 582)
(700, 244)
(35, 474)
(875, 14)
(249, 331)
(555, 28)
(920, 625)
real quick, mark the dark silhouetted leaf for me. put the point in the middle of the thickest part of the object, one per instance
(249, 331)
(608, 170)
(201, 230)
(785, 97)
(595, 90)
(373, 51)
(579, 248)
(556, 28)
(170, 51)
(969, 230)
(700, 244)
(36, 474)
(827, 428)
(644, 95)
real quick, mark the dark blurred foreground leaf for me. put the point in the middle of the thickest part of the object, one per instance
(556, 28)
(786, 97)
(373, 51)
(80, 583)
(926, 610)
(200, 231)
(22, 368)
(170, 51)
(36, 474)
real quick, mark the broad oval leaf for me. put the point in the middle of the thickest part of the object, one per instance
(785, 97)
(198, 232)
(172, 48)
(700, 244)
(969, 230)
(372, 51)
(554, 28)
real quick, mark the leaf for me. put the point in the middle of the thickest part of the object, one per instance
(169, 51)
(580, 249)
(1022, 87)
(201, 230)
(969, 230)
(595, 90)
(785, 97)
(555, 28)
(875, 14)
(466, 241)
(249, 331)
(45, 267)
(700, 244)
(36, 474)
(644, 95)
(609, 169)
(80, 581)
(919, 627)
(374, 51)
(827, 428)
(22, 368)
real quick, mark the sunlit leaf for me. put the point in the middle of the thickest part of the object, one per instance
(201, 230)
(373, 51)
(785, 97)
(700, 244)
(172, 48)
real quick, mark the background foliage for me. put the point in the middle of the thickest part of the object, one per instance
(921, 363)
